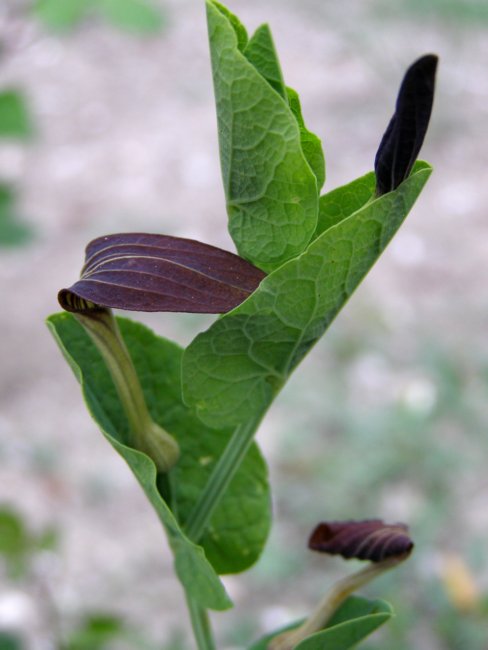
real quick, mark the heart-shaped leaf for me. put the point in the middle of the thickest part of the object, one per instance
(140, 272)
(355, 619)
(353, 622)
(191, 565)
(239, 526)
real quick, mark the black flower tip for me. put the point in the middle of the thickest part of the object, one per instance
(406, 131)
(364, 540)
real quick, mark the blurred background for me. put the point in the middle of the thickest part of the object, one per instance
(107, 124)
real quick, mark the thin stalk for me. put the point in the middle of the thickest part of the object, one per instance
(331, 602)
(200, 624)
(146, 435)
(223, 473)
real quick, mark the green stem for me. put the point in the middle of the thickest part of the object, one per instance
(200, 625)
(331, 603)
(223, 473)
(146, 435)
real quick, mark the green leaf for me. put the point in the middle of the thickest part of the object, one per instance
(343, 201)
(139, 16)
(311, 145)
(354, 621)
(12, 231)
(15, 542)
(95, 632)
(15, 121)
(61, 15)
(240, 525)
(10, 641)
(271, 192)
(261, 52)
(191, 565)
(238, 365)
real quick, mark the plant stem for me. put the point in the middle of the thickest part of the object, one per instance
(223, 473)
(330, 604)
(146, 435)
(200, 625)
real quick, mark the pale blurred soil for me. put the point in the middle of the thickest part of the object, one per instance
(126, 140)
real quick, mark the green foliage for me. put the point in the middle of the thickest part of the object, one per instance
(356, 619)
(460, 13)
(138, 16)
(311, 145)
(96, 632)
(260, 52)
(15, 541)
(61, 14)
(15, 121)
(18, 544)
(240, 363)
(271, 191)
(10, 641)
(13, 232)
(340, 203)
(240, 526)
(212, 396)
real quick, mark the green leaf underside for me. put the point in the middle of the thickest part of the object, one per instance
(239, 364)
(355, 619)
(271, 191)
(240, 525)
(237, 26)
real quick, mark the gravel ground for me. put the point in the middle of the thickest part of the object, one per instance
(126, 140)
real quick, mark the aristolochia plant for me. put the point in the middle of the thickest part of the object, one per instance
(184, 420)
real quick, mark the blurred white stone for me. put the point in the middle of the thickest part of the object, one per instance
(420, 395)
(16, 609)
